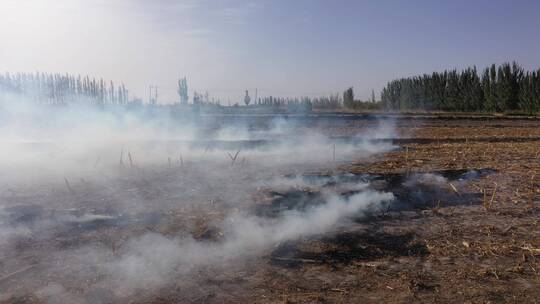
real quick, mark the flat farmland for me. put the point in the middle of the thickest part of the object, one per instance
(392, 209)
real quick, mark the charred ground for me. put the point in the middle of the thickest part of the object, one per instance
(463, 227)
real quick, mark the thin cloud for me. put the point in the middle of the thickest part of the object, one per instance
(239, 13)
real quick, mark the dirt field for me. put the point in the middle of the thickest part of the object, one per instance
(464, 228)
(462, 249)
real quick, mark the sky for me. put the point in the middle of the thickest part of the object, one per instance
(279, 47)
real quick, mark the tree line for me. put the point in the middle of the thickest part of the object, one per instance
(503, 88)
(323, 102)
(62, 88)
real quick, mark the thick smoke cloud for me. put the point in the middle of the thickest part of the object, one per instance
(159, 257)
(84, 183)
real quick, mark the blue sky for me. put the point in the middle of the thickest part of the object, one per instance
(292, 48)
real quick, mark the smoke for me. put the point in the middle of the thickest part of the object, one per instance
(118, 199)
(445, 188)
(159, 257)
(425, 179)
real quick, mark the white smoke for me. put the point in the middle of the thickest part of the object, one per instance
(154, 259)
(78, 167)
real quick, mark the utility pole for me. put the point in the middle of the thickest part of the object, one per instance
(153, 100)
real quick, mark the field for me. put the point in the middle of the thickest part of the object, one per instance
(237, 220)
(465, 246)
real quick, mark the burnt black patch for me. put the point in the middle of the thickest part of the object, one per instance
(346, 248)
(24, 214)
(299, 200)
(414, 191)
